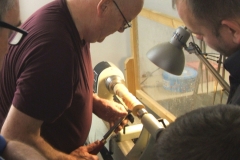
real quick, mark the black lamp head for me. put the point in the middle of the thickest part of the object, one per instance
(169, 55)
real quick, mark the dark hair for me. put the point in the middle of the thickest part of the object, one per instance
(5, 5)
(210, 133)
(212, 12)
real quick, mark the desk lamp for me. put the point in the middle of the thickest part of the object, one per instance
(170, 57)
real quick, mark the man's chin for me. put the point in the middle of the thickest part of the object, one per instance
(227, 54)
(100, 40)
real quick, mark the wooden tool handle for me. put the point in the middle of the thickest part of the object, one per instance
(99, 147)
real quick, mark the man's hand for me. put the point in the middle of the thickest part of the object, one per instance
(83, 152)
(114, 112)
(109, 111)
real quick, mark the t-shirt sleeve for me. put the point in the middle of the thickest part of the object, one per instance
(45, 86)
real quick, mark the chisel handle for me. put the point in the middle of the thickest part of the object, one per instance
(99, 147)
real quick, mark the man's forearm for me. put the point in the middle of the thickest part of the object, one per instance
(48, 151)
(19, 151)
(21, 127)
(99, 105)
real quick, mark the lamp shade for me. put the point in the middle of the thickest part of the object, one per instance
(168, 57)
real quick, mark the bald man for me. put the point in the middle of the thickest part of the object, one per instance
(48, 83)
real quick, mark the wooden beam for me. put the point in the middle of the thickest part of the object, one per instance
(154, 106)
(130, 75)
(161, 18)
(135, 51)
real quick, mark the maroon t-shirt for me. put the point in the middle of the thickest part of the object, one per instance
(49, 77)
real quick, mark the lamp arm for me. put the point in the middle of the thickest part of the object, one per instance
(193, 48)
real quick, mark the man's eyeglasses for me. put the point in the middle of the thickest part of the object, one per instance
(127, 25)
(18, 34)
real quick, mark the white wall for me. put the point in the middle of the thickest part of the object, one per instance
(115, 48)
(162, 6)
(27, 7)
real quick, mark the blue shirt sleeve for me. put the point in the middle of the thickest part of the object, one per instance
(3, 144)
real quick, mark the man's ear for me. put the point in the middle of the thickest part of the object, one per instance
(233, 28)
(102, 7)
